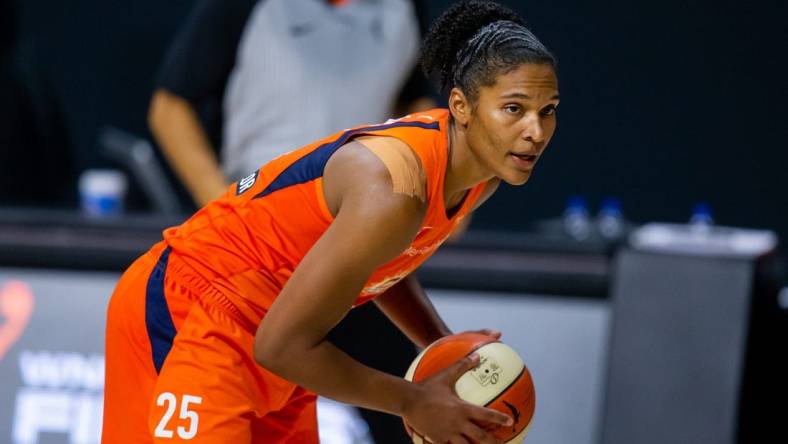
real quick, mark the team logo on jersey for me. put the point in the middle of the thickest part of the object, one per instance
(246, 183)
(383, 285)
(413, 251)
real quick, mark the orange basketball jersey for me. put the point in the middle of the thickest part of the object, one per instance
(247, 243)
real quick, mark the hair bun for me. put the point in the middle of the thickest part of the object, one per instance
(452, 30)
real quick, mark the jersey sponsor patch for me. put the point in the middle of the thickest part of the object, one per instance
(246, 183)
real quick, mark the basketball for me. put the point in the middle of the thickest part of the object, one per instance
(501, 381)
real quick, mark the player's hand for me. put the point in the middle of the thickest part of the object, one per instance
(487, 332)
(439, 414)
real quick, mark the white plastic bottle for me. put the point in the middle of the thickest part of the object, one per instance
(610, 219)
(576, 221)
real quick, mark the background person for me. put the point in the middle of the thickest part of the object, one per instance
(252, 79)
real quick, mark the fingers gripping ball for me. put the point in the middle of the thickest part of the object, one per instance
(501, 381)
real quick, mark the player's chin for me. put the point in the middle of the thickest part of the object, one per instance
(516, 178)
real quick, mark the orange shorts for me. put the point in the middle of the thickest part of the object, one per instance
(179, 366)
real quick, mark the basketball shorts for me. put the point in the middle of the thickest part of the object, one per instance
(179, 366)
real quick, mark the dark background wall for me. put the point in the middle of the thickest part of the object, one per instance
(664, 104)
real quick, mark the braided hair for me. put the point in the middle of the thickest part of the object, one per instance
(473, 42)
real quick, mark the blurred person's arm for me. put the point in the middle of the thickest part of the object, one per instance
(192, 79)
(178, 131)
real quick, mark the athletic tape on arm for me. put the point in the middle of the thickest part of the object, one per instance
(407, 175)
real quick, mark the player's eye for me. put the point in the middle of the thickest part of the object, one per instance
(512, 108)
(549, 110)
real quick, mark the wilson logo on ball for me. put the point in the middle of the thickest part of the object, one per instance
(488, 372)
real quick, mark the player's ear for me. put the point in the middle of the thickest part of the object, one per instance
(459, 106)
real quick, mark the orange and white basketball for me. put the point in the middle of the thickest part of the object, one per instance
(501, 381)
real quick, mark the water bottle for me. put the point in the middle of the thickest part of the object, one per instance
(701, 215)
(610, 219)
(577, 223)
(701, 220)
(102, 192)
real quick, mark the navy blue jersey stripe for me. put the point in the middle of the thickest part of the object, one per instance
(161, 330)
(311, 166)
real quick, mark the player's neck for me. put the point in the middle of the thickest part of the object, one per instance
(463, 169)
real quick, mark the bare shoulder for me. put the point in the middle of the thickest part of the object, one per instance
(403, 164)
(359, 185)
(372, 162)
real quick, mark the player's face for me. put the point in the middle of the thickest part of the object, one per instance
(513, 120)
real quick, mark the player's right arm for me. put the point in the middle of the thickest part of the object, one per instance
(373, 224)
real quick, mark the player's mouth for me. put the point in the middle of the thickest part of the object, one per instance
(524, 161)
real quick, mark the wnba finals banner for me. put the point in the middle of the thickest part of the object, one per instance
(52, 355)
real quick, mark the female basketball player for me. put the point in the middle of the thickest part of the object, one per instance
(217, 334)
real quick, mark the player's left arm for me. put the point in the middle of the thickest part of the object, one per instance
(408, 307)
